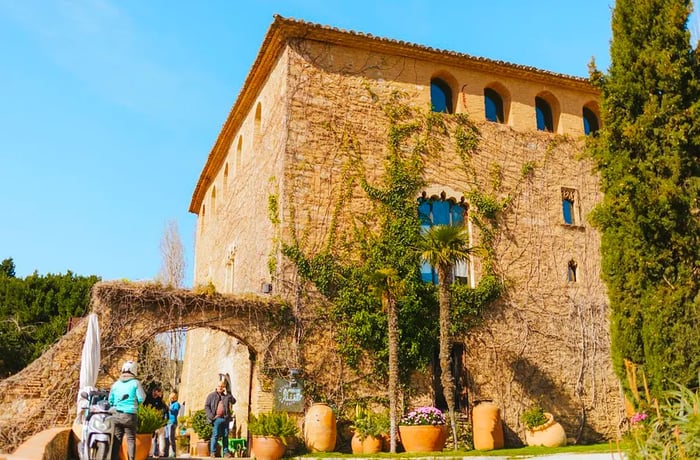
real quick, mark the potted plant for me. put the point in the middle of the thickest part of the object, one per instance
(204, 430)
(370, 428)
(423, 430)
(148, 420)
(541, 429)
(183, 435)
(270, 432)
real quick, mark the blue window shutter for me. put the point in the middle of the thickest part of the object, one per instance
(441, 212)
(567, 207)
(440, 96)
(493, 106)
(424, 211)
(457, 212)
(544, 115)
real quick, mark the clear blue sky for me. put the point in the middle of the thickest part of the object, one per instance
(110, 107)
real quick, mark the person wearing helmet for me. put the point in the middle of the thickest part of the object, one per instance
(125, 396)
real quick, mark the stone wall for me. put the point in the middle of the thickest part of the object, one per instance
(547, 339)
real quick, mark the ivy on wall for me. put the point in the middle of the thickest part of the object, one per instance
(413, 136)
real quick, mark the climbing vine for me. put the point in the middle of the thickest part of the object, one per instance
(412, 136)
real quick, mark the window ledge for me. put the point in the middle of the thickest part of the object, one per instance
(574, 227)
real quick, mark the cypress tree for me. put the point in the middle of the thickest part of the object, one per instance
(648, 159)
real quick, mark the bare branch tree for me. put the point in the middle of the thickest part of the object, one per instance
(172, 269)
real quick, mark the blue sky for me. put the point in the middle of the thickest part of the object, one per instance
(110, 107)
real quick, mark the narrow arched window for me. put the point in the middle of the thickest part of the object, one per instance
(226, 176)
(440, 96)
(590, 121)
(258, 124)
(239, 153)
(571, 272)
(493, 106)
(544, 115)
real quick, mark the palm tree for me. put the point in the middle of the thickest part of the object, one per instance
(388, 286)
(442, 246)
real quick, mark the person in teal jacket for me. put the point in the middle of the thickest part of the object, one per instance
(125, 396)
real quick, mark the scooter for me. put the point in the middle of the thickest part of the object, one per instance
(98, 427)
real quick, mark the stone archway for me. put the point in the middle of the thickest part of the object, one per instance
(44, 394)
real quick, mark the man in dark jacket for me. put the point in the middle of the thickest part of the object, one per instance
(219, 407)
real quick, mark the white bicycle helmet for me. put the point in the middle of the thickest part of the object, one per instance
(130, 367)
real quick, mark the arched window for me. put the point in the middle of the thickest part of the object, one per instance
(258, 125)
(226, 176)
(440, 96)
(239, 153)
(571, 272)
(544, 115)
(590, 121)
(442, 211)
(493, 106)
(213, 201)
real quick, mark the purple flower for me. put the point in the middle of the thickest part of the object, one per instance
(426, 415)
(638, 417)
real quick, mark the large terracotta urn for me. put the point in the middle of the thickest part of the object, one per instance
(487, 427)
(143, 447)
(267, 447)
(320, 428)
(366, 445)
(549, 434)
(423, 438)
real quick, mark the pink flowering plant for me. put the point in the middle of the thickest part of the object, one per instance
(638, 417)
(426, 415)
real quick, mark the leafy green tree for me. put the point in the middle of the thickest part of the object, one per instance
(442, 246)
(648, 157)
(34, 314)
(7, 268)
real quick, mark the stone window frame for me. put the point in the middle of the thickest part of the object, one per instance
(468, 268)
(570, 207)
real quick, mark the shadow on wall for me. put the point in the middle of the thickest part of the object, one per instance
(540, 388)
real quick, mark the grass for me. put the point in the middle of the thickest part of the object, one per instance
(514, 452)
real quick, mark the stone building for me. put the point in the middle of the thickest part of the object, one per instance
(545, 340)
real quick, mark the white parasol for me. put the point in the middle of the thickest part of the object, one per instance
(90, 362)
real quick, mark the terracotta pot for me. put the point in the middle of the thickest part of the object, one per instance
(320, 428)
(202, 448)
(423, 438)
(549, 434)
(143, 447)
(367, 445)
(267, 447)
(487, 426)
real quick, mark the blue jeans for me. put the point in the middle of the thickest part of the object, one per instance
(170, 430)
(220, 430)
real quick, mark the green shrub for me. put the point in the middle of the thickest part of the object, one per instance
(201, 425)
(533, 417)
(149, 419)
(368, 423)
(273, 423)
(671, 431)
